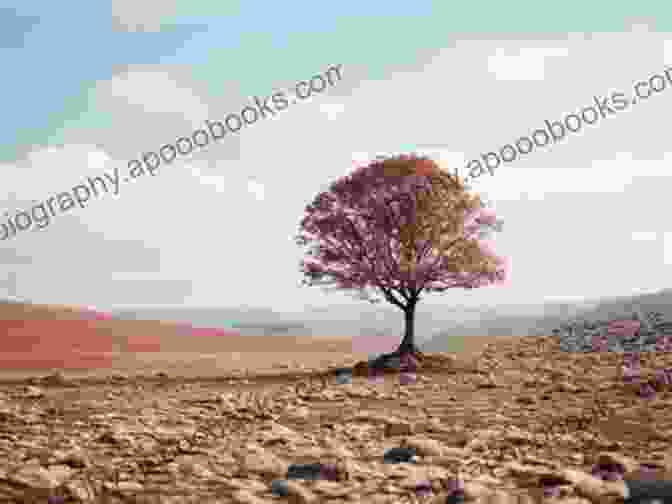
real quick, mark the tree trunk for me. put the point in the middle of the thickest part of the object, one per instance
(407, 345)
(408, 342)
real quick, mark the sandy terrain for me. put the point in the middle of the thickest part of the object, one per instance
(506, 415)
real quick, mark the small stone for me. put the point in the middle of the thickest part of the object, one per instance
(343, 379)
(304, 471)
(455, 498)
(649, 490)
(280, 487)
(398, 455)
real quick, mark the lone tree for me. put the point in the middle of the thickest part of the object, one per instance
(399, 227)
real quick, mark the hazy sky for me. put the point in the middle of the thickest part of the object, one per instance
(85, 94)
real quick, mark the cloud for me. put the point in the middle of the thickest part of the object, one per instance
(167, 228)
(332, 110)
(644, 236)
(667, 51)
(155, 92)
(528, 64)
(217, 182)
(667, 248)
(146, 16)
(257, 189)
(51, 169)
(606, 176)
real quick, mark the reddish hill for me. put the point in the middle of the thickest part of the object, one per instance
(39, 337)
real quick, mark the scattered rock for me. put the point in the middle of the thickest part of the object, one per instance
(398, 455)
(280, 487)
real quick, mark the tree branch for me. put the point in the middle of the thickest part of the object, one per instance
(391, 298)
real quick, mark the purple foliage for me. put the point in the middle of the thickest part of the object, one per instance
(376, 376)
(631, 375)
(455, 485)
(551, 491)
(624, 328)
(600, 344)
(423, 488)
(664, 344)
(354, 231)
(329, 472)
(647, 391)
(409, 363)
(663, 378)
(648, 468)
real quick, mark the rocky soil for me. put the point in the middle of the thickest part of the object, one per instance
(513, 419)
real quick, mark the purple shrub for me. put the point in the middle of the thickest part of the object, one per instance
(612, 476)
(648, 470)
(600, 343)
(423, 489)
(632, 359)
(631, 375)
(647, 391)
(409, 363)
(608, 472)
(551, 491)
(663, 378)
(376, 376)
(664, 344)
(329, 472)
(408, 378)
(455, 485)
(668, 373)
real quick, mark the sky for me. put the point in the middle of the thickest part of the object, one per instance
(85, 95)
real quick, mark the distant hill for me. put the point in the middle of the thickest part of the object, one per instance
(165, 327)
(50, 336)
(367, 320)
(556, 314)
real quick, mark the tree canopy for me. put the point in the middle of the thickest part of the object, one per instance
(399, 227)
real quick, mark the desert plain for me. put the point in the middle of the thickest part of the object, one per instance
(95, 410)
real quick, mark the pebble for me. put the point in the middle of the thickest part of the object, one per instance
(642, 491)
(305, 471)
(280, 487)
(397, 455)
(343, 378)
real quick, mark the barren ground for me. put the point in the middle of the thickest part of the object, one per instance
(217, 429)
